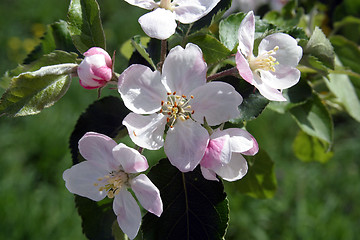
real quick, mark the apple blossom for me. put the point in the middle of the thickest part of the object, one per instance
(180, 99)
(161, 22)
(223, 155)
(274, 67)
(109, 170)
(95, 70)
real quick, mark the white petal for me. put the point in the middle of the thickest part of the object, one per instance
(147, 194)
(80, 180)
(97, 148)
(246, 34)
(141, 89)
(289, 53)
(159, 24)
(185, 144)
(130, 159)
(235, 170)
(284, 77)
(189, 11)
(184, 69)
(146, 131)
(218, 151)
(243, 67)
(240, 140)
(208, 174)
(146, 4)
(267, 91)
(216, 101)
(128, 213)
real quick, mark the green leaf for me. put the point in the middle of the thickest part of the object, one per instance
(32, 91)
(214, 51)
(85, 26)
(228, 30)
(136, 43)
(57, 37)
(194, 208)
(341, 86)
(56, 57)
(314, 119)
(320, 47)
(295, 96)
(260, 180)
(347, 51)
(309, 149)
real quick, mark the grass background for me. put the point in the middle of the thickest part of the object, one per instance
(313, 201)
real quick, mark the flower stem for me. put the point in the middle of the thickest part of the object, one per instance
(232, 71)
(163, 53)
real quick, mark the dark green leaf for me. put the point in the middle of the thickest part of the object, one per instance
(103, 116)
(57, 37)
(260, 180)
(194, 208)
(314, 119)
(295, 96)
(213, 50)
(33, 90)
(308, 148)
(136, 43)
(320, 47)
(347, 51)
(84, 25)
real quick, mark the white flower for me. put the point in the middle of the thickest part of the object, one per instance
(275, 66)
(223, 155)
(179, 98)
(109, 170)
(95, 70)
(161, 22)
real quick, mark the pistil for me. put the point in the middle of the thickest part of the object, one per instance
(264, 61)
(112, 183)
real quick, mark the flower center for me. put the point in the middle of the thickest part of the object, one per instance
(176, 107)
(166, 4)
(264, 61)
(112, 182)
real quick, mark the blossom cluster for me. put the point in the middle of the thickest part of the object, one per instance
(177, 108)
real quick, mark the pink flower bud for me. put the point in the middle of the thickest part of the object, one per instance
(96, 68)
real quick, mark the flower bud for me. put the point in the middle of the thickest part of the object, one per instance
(96, 68)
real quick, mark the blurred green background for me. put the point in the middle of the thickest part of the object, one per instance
(313, 201)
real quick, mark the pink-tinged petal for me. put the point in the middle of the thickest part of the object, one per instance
(243, 67)
(216, 101)
(235, 169)
(288, 54)
(240, 140)
(147, 194)
(284, 77)
(159, 24)
(208, 174)
(268, 92)
(184, 69)
(246, 34)
(146, 131)
(80, 180)
(218, 151)
(254, 150)
(146, 4)
(97, 148)
(189, 11)
(128, 213)
(130, 159)
(141, 89)
(185, 144)
(97, 50)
